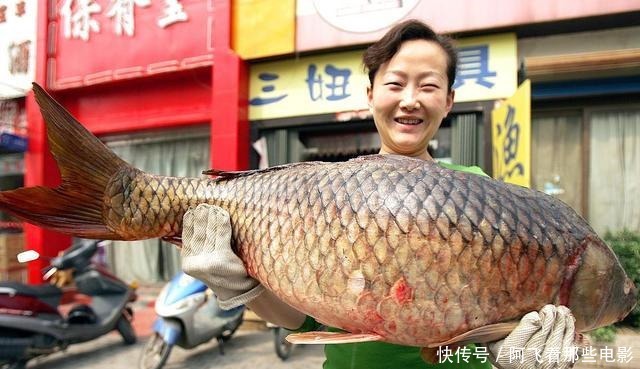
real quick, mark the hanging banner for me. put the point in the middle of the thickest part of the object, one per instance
(18, 27)
(487, 70)
(96, 41)
(511, 138)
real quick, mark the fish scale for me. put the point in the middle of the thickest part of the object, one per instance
(398, 248)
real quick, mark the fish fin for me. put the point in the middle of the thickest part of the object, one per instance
(225, 175)
(429, 355)
(326, 338)
(487, 333)
(86, 165)
(177, 241)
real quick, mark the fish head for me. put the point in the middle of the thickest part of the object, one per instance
(602, 293)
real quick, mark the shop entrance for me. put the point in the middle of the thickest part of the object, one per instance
(458, 140)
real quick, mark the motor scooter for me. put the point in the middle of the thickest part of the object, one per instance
(188, 315)
(31, 323)
(282, 346)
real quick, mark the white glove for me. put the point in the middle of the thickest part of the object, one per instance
(207, 256)
(544, 340)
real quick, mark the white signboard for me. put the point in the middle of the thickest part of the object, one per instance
(363, 16)
(18, 29)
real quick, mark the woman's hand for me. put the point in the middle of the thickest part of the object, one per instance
(544, 339)
(207, 256)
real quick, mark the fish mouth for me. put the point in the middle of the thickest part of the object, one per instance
(408, 121)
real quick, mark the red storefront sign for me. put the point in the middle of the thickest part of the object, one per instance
(97, 41)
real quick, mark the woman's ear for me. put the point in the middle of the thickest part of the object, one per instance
(450, 97)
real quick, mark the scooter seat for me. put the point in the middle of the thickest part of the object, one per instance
(41, 290)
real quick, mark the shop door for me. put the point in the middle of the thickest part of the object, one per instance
(177, 153)
(588, 158)
(614, 169)
(557, 156)
(458, 141)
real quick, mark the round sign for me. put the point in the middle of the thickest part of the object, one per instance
(363, 15)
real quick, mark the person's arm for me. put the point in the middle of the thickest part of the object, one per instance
(270, 308)
(207, 256)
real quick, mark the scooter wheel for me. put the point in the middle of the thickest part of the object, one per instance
(18, 364)
(283, 347)
(126, 331)
(155, 353)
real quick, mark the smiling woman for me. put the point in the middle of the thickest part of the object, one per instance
(411, 71)
(409, 98)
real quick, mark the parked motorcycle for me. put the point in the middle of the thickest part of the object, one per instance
(31, 324)
(188, 315)
(282, 346)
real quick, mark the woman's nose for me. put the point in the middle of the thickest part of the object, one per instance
(409, 101)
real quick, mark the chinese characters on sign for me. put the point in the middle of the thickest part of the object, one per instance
(17, 41)
(590, 354)
(88, 34)
(122, 13)
(19, 57)
(337, 88)
(172, 13)
(79, 21)
(267, 77)
(311, 85)
(510, 131)
(336, 83)
(511, 137)
(473, 65)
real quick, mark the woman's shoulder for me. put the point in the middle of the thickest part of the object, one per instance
(462, 168)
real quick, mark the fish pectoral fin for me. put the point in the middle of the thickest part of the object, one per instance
(431, 355)
(487, 333)
(327, 338)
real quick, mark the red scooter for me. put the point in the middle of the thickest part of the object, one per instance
(31, 323)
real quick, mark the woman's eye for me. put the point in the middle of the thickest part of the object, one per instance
(429, 86)
(392, 84)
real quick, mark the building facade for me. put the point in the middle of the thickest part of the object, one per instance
(178, 86)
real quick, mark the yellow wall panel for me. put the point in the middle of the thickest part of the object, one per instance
(263, 28)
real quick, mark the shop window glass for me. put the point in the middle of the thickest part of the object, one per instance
(614, 171)
(556, 157)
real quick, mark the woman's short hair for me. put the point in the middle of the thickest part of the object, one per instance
(384, 49)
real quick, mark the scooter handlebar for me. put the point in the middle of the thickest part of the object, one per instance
(78, 256)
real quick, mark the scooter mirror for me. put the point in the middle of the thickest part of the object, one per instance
(29, 255)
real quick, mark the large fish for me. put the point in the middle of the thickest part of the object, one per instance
(385, 247)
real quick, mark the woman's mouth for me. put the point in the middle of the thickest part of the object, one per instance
(408, 121)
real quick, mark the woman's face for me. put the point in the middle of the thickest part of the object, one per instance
(409, 98)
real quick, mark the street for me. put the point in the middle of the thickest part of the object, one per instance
(252, 349)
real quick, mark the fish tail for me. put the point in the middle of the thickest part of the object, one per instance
(86, 166)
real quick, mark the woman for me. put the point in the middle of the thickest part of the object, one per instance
(411, 73)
